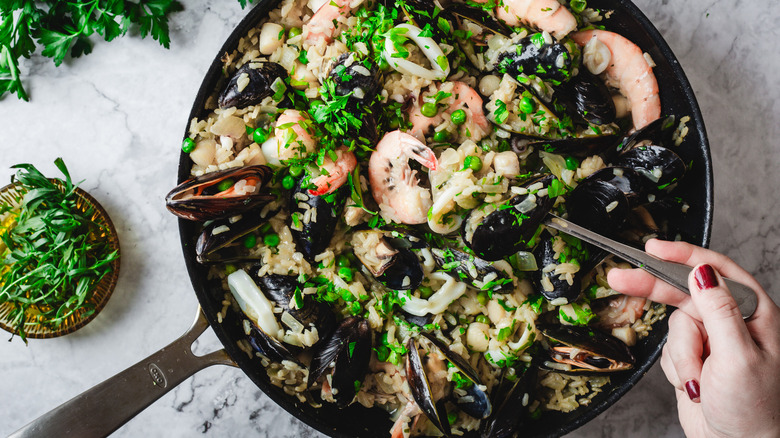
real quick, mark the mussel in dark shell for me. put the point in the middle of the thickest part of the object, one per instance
(582, 350)
(580, 147)
(252, 83)
(221, 194)
(430, 393)
(285, 292)
(389, 257)
(626, 180)
(586, 99)
(658, 132)
(510, 404)
(509, 228)
(228, 240)
(475, 272)
(359, 79)
(534, 55)
(314, 218)
(598, 206)
(556, 258)
(346, 353)
(658, 164)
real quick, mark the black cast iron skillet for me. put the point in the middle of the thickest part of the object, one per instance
(106, 407)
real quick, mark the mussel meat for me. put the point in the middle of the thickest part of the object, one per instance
(511, 225)
(252, 83)
(346, 353)
(221, 194)
(582, 350)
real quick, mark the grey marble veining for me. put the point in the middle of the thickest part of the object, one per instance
(117, 116)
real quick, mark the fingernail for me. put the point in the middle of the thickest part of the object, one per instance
(705, 277)
(692, 388)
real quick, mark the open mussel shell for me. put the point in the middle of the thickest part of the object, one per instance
(388, 256)
(532, 55)
(510, 402)
(626, 179)
(479, 16)
(282, 290)
(660, 165)
(318, 217)
(346, 353)
(558, 288)
(477, 273)
(583, 350)
(252, 83)
(220, 241)
(269, 346)
(586, 99)
(421, 389)
(509, 228)
(657, 132)
(598, 206)
(580, 147)
(200, 199)
(476, 402)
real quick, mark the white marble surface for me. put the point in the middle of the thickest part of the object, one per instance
(117, 116)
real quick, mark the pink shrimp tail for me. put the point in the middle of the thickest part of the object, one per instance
(338, 173)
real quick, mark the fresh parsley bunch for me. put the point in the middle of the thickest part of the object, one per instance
(62, 26)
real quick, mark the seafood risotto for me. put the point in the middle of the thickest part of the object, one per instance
(373, 181)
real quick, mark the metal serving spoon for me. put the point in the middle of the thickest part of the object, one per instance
(675, 274)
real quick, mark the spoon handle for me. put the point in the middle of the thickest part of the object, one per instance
(675, 274)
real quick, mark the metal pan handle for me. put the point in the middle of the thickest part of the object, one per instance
(103, 409)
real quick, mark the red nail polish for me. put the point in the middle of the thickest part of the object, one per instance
(705, 277)
(692, 388)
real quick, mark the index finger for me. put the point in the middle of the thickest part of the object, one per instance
(640, 283)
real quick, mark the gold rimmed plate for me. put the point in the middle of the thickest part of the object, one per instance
(100, 293)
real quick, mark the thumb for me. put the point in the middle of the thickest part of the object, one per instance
(719, 312)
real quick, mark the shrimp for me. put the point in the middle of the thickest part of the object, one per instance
(410, 413)
(630, 72)
(322, 25)
(465, 98)
(547, 15)
(292, 138)
(393, 182)
(335, 173)
(622, 310)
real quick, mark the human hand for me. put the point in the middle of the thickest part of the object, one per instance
(726, 371)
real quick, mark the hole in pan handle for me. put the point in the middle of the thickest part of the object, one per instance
(105, 407)
(675, 274)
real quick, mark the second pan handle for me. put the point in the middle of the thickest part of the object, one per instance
(104, 408)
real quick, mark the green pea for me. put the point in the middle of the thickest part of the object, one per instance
(230, 268)
(458, 117)
(425, 292)
(342, 261)
(250, 241)
(526, 105)
(259, 136)
(294, 32)
(188, 145)
(472, 162)
(482, 318)
(296, 171)
(288, 182)
(271, 240)
(441, 136)
(482, 297)
(572, 163)
(345, 273)
(429, 109)
(225, 184)
(578, 5)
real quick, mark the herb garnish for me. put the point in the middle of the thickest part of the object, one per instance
(52, 255)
